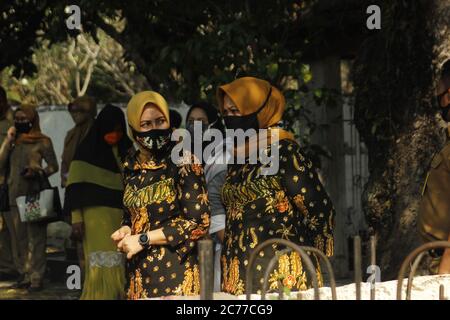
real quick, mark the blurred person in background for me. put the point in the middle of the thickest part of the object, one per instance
(83, 111)
(434, 213)
(7, 267)
(22, 153)
(94, 196)
(215, 173)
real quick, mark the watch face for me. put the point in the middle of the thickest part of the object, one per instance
(143, 239)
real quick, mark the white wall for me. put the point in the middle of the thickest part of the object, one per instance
(56, 121)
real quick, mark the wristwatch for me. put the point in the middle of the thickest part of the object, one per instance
(144, 240)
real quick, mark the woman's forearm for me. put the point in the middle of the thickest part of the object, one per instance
(157, 237)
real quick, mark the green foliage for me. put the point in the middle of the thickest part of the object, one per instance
(186, 49)
(59, 68)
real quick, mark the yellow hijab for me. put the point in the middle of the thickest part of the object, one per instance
(248, 94)
(136, 106)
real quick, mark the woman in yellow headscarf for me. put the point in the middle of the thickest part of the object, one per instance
(167, 207)
(289, 203)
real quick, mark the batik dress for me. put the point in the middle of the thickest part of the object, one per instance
(291, 204)
(162, 194)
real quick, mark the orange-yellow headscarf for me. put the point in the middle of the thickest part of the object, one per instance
(136, 106)
(35, 135)
(249, 94)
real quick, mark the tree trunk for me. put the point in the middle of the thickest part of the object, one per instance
(395, 74)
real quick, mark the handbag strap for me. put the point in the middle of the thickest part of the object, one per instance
(41, 181)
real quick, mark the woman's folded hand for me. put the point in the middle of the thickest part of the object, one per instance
(118, 235)
(130, 245)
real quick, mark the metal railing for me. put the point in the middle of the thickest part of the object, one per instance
(418, 252)
(413, 260)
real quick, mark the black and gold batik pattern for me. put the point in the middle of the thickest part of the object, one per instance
(161, 194)
(291, 205)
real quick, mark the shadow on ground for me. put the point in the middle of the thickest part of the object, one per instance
(51, 291)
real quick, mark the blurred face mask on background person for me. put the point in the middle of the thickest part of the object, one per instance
(21, 123)
(197, 114)
(113, 138)
(22, 127)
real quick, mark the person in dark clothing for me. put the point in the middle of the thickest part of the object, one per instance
(290, 204)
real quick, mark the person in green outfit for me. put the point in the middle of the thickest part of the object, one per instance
(94, 197)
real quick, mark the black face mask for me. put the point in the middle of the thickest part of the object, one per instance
(155, 140)
(23, 127)
(249, 121)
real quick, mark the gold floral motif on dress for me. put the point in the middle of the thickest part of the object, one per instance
(189, 162)
(201, 229)
(296, 164)
(139, 218)
(162, 253)
(229, 240)
(241, 242)
(330, 246)
(328, 233)
(282, 202)
(290, 272)
(313, 223)
(136, 290)
(191, 282)
(197, 169)
(254, 242)
(319, 243)
(154, 193)
(235, 212)
(182, 225)
(279, 202)
(285, 231)
(299, 202)
(325, 242)
(239, 195)
(231, 282)
(203, 197)
(147, 165)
